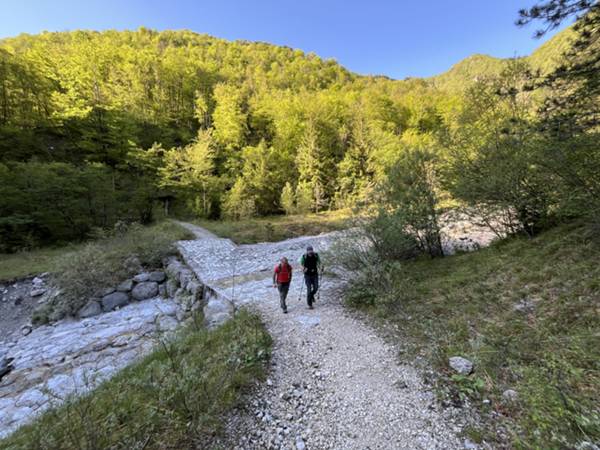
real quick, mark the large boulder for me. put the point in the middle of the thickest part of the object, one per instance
(114, 300)
(141, 277)
(158, 276)
(461, 365)
(107, 291)
(125, 286)
(185, 276)
(173, 269)
(145, 290)
(217, 311)
(92, 308)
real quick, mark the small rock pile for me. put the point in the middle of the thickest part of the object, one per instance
(39, 287)
(183, 286)
(141, 287)
(176, 281)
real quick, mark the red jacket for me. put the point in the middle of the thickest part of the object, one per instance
(283, 274)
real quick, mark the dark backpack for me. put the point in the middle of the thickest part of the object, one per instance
(311, 263)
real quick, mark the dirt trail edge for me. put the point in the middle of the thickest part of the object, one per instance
(334, 383)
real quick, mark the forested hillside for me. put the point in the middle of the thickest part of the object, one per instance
(98, 127)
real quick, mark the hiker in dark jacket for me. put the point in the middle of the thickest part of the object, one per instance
(310, 263)
(282, 277)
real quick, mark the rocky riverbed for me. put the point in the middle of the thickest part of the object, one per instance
(18, 300)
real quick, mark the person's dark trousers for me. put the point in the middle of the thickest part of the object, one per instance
(283, 289)
(312, 286)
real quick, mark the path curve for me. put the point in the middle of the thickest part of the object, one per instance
(334, 383)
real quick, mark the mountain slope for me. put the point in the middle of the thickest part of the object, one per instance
(544, 58)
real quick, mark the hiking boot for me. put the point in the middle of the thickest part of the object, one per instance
(285, 311)
(310, 307)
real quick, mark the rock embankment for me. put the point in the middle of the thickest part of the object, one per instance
(42, 367)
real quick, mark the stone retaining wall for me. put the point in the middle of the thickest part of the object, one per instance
(69, 357)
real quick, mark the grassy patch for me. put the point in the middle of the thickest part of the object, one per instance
(174, 398)
(277, 228)
(527, 312)
(105, 262)
(34, 262)
(24, 264)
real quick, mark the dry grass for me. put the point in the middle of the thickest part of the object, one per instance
(24, 264)
(277, 228)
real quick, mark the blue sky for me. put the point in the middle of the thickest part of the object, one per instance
(395, 38)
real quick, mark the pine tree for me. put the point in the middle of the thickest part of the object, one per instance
(287, 199)
(304, 198)
(238, 203)
(310, 165)
(355, 170)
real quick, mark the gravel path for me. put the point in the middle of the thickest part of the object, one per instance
(334, 383)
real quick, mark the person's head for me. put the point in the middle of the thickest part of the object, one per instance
(283, 260)
(309, 250)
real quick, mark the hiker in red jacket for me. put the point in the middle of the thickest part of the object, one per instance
(282, 277)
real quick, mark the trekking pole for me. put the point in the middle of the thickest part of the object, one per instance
(301, 289)
(320, 283)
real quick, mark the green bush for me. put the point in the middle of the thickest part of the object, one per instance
(174, 398)
(389, 236)
(408, 220)
(376, 285)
